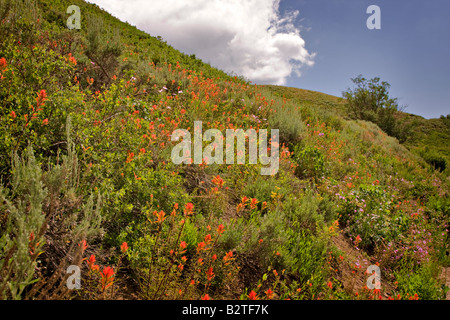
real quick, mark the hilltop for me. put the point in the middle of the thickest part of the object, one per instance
(86, 120)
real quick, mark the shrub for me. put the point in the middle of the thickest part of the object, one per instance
(48, 219)
(370, 101)
(310, 162)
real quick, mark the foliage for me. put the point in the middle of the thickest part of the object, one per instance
(370, 101)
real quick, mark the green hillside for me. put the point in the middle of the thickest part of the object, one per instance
(86, 120)
(429, 138)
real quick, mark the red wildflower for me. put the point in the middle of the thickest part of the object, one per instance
(2, 62)
(72, 59)
(252, 295)
(91, 262)
(200, 246)
(210, 274)
(220, 229)
(188, 209)
(83, 245)
(207, 238)
(269, 293)
(130, 157)
(218, 181)
(107, 277)
(183, 245)
(205, 297)
(330, 285)
(45, 122)
(253, 203)
(13, 114)
(41, 98)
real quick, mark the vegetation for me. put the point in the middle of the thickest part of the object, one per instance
(86, 118)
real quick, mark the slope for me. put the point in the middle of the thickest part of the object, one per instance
(88, 181)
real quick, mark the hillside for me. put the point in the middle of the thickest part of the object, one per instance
(88, 180)
(429, 137)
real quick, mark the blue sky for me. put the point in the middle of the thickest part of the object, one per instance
(311, 44)
(411, 51)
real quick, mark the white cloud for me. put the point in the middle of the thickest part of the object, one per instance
(247, 37)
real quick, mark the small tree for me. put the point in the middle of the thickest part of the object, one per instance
(369, 100)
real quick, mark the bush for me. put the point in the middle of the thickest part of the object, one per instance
(47, 219)
(370, 101)
(310, 162)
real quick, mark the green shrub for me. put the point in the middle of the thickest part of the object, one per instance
(310, 162)
(421, 282)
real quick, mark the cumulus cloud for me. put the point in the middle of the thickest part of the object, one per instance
(247, 37)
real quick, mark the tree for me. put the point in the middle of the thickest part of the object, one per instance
(369, 100)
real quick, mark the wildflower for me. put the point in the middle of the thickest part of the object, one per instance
(214, 257)
(252, 295)
(184, 258)
(220, 229)
(41, 98)
(83, 245)
(260, 241)
(124, 247)
(188, 209)
(91, 261)
(228, 256)
(200, 246)
(45, 122)
(2, 62)
(264, 205)
(180, 267)
(207, 238)
(218, 181)
(107, 277)
(183, 245)
(161, 216)
(72, 59)
(130, 157)
(269, 294)
(210, 274)
(253, 203)
(330, 285)
(200, 261)
(205, 297)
